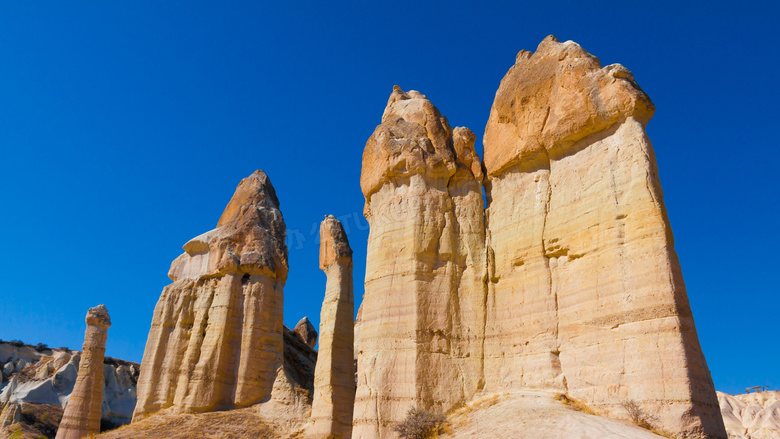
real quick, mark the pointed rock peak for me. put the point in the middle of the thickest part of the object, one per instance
(555, 97)
(334, 245)
(254, 190)
(415, 107)
(306, 332)
(98, 316)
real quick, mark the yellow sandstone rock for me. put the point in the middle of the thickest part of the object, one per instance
(334, 376)
(422, 317)
(82, 414)
(585, 291)
(216, 336)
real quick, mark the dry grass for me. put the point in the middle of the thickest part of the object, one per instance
(421, 424)
(575, 404)
(233, 424)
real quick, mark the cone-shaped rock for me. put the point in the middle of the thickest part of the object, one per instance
(422, 316)
(306, 331)
(334, 376)
(586, 295)
(82, 414)
(216, 336)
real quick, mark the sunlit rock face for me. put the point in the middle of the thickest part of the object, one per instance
(216, 336)
(82, 413)
(334, 378)
(422, 316)
(585, 292)
(751, 415)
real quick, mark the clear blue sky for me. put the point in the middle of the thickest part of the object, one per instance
(125, 127)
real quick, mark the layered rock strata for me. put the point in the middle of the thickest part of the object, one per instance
(216, 336)
(585, 291)
(422, 316)
(82, 414)
(334, 378)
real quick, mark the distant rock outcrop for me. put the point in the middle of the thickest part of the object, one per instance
(306, 332)
(334, 379)
(751, 415)
(82, 413)
(49, 375)
(216, 336)
(422, 316)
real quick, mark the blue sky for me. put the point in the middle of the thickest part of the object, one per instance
(125, 127)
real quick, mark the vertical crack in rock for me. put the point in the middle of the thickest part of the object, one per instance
(82, 413)
(334, 376)
(216, 340)
(620, 314)
(422, 321)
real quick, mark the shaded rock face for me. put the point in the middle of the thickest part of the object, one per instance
(216, 340)
(82, 413)
(334, 379)
(306, 332)
(422, 317)
(585, 291)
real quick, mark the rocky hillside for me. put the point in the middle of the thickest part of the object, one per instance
(751, 415)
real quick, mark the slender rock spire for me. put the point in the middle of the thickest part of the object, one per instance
(82, 414)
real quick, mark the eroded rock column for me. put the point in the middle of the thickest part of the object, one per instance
(334, 376)
(216, 336)
(422, 315)
(82, 414)
(586, 295)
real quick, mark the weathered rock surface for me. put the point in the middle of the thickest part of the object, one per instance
(422, 316)
(334, 379)
(50, 374)
(29, 421)
(306, 331)
(585, 290)
(751, 415)
(82, 412)
(216, 340)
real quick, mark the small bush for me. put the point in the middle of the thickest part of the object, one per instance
(64, 348)
(17, 343)
(421, 424)
(637, 415)
(41, 346)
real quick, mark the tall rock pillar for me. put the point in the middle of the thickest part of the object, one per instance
(586, 295)
(334, 375)
(82, 414)
(216, 336)
(422, 317)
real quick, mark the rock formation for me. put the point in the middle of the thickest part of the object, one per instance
(567, 282)
(50, 375)
(422, 316)
(585, 291)
(82, 414)
(306, 331)
(334, 378)
(216, 336)
(751, 415)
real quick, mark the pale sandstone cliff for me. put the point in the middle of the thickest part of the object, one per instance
(585, 291)
(422, 315)
(216, 336)
(751, 415)
(82, 413)
(334, 378)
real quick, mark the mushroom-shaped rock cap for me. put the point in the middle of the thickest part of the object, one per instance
(414, 138)
(334, 245)
(306, 332)
(98, 316)
(555, 97)
(253, 190)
